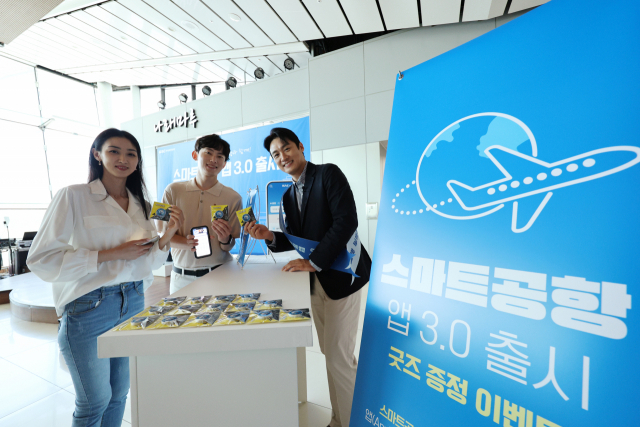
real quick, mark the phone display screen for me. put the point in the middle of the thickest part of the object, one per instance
(203, 249)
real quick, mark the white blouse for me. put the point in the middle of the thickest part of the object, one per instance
(82, 220)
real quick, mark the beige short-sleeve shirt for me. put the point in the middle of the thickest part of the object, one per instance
(196, 206)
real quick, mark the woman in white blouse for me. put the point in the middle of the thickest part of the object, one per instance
(91, 247)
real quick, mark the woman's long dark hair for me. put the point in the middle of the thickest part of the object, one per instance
(135, 181)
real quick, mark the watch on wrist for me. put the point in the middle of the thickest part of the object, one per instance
(229, 241)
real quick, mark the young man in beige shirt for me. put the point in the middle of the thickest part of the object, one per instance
(195, 198)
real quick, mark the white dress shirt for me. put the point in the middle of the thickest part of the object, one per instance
(298, 186)
(82, 220)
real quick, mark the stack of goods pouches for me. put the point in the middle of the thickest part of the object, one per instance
(202, 311)
(294, 314)
(238, 310)
(187, 314)
(266, 311)
(193, 309)
(270, 311)
(182, 309)
(151, 315)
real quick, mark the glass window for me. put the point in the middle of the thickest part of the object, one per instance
(68, 157)
(122, 105)
(149, 99)
(23, 164)
(20, 220)
(18, 89)
(66, 98)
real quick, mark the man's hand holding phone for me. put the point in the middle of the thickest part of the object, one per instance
(192, 242)
(203, 249)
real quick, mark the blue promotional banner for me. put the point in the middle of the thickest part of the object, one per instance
(506, 254)
(249, 164)
(244, 238)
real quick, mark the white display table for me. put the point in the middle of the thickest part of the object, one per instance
(240, 375)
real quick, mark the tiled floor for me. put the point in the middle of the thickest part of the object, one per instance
(36, 389)
(35, 385)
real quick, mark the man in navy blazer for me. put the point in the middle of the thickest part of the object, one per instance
(320, 207)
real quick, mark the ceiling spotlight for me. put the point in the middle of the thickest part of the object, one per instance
(183, 98)
(189, 25)
(234, 17)
(231, 83)
(259, 73)
(206, 91)
(161, 105)
(289, 64)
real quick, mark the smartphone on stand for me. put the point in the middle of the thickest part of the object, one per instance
(203, 249)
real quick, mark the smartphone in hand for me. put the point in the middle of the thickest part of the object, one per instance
(203, 249)
(151, 241)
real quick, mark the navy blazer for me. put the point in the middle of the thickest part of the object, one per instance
(328, 215)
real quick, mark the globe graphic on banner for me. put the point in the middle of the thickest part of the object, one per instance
(458, 153)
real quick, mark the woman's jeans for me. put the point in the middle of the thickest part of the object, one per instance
(101, 384)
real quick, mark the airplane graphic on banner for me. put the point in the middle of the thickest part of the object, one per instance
(549, 176)
(501, 155)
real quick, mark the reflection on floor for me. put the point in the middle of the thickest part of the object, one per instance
(36, 389)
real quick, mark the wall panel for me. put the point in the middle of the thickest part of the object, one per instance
(353, 163)
(336, 76)
(276, 97)
(378, 112)
(216, 113)
(338, 125)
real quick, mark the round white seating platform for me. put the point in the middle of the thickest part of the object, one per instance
(31, 299)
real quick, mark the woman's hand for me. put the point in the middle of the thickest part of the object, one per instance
(258, 231)
(131, 250)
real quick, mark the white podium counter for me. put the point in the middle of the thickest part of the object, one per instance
(232, 375)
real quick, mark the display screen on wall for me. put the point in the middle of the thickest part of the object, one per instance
(506, 257)
(249, 164)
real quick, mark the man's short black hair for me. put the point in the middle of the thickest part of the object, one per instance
(213, 141)
(282, 133)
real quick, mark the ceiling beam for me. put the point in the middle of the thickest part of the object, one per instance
(197, 57)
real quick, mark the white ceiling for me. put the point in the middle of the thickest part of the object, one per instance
(150, 42)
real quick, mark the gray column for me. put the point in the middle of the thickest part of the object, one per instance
(135, 101)
(105, 105)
